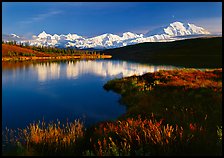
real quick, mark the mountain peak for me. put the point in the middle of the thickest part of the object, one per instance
(43, 32)
(73, 37)
(14, 35)
(129, 35)
(43, 35)
(176, 23)
(178, 29)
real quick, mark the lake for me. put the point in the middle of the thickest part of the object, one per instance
(65, 90)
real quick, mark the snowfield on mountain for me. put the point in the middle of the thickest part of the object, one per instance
(172, 32)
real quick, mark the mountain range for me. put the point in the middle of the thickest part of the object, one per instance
(172, 32)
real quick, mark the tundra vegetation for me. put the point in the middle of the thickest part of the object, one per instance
(12, 51)
(172, 112)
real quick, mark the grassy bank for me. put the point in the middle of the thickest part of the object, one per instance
(188, 98)
(173, 112)
(22, 58)
(14, 52)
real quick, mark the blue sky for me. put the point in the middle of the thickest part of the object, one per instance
(96, 18)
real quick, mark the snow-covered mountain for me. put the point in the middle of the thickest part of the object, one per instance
(174, 31)
(10, 37)
(179, 29)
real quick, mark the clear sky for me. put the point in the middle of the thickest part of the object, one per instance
(96, 18)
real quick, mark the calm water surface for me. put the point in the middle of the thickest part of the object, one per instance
(64, 90)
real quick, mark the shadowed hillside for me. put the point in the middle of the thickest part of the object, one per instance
(198, 52)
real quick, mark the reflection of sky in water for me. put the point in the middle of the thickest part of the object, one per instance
(103, 68)
(64, 90)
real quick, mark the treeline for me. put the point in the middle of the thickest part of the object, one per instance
(53, 50)
(14, 54)
(15, 43)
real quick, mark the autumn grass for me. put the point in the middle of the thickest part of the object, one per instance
(120, 138)
(47, 139)
(173, 112)
(184, 97)
(139, 137)
(14, 52)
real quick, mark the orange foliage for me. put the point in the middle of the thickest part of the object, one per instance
(14, 48)
(133, 134)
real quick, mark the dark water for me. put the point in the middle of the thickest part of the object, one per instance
(63, 90)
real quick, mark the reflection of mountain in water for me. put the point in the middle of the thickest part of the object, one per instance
(48, 71)
(73, 69)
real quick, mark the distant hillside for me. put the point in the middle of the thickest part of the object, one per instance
(6, 48)
(198, 52)
(12, 51)
(41, 51)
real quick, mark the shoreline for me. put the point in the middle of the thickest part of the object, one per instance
(22, 58)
